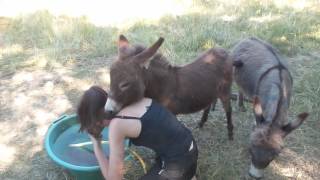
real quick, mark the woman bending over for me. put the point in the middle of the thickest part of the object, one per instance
(145, 123)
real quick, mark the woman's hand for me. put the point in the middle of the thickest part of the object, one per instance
(98, 151)
(95, 130)
(96, 142)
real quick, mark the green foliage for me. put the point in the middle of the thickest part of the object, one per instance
(61, 34)
(217, 23)
(34, 30)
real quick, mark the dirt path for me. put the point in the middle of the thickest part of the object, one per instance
(30, 100)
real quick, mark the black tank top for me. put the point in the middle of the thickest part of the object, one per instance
(163, 133)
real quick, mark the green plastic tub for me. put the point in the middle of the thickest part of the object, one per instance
(72, 150)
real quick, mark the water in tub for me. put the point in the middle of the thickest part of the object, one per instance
(76, 148)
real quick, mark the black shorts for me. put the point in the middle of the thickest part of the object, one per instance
(180, 168)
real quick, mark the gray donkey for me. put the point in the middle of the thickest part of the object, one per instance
(263, 76)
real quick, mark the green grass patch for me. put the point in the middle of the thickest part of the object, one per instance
(215, 24)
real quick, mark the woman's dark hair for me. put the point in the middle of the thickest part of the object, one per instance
(91, 110)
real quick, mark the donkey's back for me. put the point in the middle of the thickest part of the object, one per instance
(202, 82)
(208, 77)
(255, 57)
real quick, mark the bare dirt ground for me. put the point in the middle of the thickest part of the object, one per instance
(31, 99)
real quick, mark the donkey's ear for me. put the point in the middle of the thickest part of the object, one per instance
(258, 110)
(123, 44)
(123, 41)
(143, 58)
(287, 129)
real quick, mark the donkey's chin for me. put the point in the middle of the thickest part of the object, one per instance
(111, 106)
(255, 172)
(109, 115)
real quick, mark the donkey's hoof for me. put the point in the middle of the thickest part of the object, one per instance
(199, 126)
(195, 128)
(230, 137)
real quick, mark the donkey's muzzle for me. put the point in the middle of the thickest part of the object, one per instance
(109, 115)
(111, 106)
(255, 172)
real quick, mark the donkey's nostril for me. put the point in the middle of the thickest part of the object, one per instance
(109, 114)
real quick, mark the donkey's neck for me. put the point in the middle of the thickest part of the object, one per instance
(274, 104)
(160, 77)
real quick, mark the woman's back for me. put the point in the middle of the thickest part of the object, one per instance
(160, 129)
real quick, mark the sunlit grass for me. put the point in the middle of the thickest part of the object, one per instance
(217, 23)
(11, 50)
(7, 154)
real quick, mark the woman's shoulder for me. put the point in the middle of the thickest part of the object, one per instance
(136, 107)
(125, 127)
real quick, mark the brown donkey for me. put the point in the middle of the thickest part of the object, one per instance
(263, 76)
(140, 71)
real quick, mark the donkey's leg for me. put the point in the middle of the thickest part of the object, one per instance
(225, 99)
(204, 117)
(240, 102)
(213, 104)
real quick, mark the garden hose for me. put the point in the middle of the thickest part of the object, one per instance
(135, 154)
(143, 164)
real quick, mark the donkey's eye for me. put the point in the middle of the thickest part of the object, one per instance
(124, 85)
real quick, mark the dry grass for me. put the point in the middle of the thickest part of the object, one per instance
(44, 70)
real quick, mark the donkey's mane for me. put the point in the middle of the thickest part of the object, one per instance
(279, 67)
(157, 61)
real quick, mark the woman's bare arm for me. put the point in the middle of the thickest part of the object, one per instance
(98, 151)
(119, 129)
(116, 139)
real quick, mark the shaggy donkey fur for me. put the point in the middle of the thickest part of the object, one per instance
(140, 71)
(263, 76)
